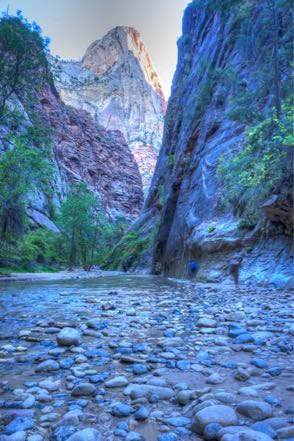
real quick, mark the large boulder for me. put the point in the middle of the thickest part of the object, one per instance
(223, 415)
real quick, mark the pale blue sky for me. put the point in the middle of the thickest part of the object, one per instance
(73, 24)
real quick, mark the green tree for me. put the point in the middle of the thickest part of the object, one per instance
(79, 225)
(23, 63)
(22, 169)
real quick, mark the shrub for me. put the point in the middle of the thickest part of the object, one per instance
(263, 167)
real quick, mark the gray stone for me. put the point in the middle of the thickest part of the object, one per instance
(83, 389)
(223, 415)
(142, 413)
(19, 423)
(47, 366)
(120, 381)
(145, 390)
(121, 410)
(68, 337)
(256, 410)
(85, 435)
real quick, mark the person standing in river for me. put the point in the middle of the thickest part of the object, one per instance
(234, 267)
(193, 268)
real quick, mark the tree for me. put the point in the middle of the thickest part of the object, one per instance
(23, 63)
(79, 226)
(22, 169)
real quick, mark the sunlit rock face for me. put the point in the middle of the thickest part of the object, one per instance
(185, 198)
(117, 84)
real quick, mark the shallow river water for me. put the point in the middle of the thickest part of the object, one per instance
(156, 359)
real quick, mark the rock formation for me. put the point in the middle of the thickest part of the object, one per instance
(82, 151)
(185, 192)
(118, 85)
(87, 152)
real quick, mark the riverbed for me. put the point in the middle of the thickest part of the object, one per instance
(150, 359)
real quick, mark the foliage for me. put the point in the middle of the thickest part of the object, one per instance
(171, 160)
(23, 63)
(130, 249)
(78, 222)
(22, 169)
(263, 167)
(87, 235)
(38, 246)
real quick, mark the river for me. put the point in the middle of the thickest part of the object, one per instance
(152, 354)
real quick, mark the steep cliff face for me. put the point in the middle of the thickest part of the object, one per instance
(82, 151)
(185, 192)
(118, 85)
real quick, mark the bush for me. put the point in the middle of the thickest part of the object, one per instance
(263, 167)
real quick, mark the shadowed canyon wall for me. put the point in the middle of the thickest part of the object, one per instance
(185, 196)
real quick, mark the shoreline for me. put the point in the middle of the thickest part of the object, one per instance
(60, 275)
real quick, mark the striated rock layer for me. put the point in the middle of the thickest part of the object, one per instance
(87, 152)
(184, 196)
(118, 85)
(81, 151)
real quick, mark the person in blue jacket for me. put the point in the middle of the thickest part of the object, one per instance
(193, 268)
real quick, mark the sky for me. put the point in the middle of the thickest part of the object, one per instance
(72, 25)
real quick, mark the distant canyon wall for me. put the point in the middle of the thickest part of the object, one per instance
(118, 85)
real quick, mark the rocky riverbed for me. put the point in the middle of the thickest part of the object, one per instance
(142, 358)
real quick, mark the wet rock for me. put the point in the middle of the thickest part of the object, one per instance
(121, 410)
(135, 436)
(264, 428)
(145, 390)
(256, 410)
(50, 385)
(215, 378)
(245, 434)
(47, 366)
(286, 432)
(223, 415)
(19, 424)
(211, 431)
(17, 436)
(83, 389)
(225, 397)
(259, 363)
(85, 435)
(206, 322)
(142, 413)
(184, 396)
(140, 369)
(168, 437)
(120, 381)
(68, 337)
(178, 421)
(62, 433)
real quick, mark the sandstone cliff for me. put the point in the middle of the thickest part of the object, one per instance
(118, 85)
(82, 151)
(184, 196)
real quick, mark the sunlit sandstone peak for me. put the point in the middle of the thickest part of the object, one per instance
(117, 83)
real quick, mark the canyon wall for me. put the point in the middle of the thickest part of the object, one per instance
(117, 84)
(81, 151)
(185, 196)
